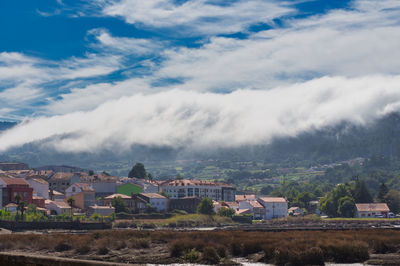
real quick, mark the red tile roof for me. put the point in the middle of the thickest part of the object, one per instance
(153, 195)
(187, 182)
(14, 181)
(245, 197)
(369, 207)
(113, 196)
(84, 187)
(273, 199)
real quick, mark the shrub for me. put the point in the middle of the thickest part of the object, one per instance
(192, 256)
(82, 249)
(62, 246)
(210, 255)
(345, 252)
(102, 251)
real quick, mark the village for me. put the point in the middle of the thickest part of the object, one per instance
(100, 195)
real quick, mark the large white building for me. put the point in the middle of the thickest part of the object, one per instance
(40, 187)
(275, 207)
(198, 188)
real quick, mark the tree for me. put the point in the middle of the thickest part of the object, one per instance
(138, 171)
(346, 207)
(17, 199)
(304, 199)
(330, 203)
(383, 190)
(71, 201)
(265, 190)
(392, 198)
(91, 172)
(21, 207)
(206, 206)
(227, 212)
(31, 208)
(119, 205)
(361, 193)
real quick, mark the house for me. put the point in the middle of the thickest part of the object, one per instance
(11, 207)
(56, 196)
(15, 186)
(368, 210)
(155, 200)
(60, 181)
(198, 188)
(58, 207)
(275, 207)
(39, 201)
(103, 185)
(83, 195)
(256, 209)
(187, 204)
(40, 187)
(101, 210)
(128, 200)
(295, 211)
(245, 197)
(233, 205)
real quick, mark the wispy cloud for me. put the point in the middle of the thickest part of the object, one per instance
(197, 17)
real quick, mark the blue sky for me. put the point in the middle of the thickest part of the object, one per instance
(205, 67)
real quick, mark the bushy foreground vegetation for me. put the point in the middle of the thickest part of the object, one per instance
(280, 248)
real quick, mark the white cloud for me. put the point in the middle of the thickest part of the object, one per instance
(135, 46)
(196, 16)
(192, 119)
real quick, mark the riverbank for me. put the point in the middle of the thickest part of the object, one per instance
(211, 247)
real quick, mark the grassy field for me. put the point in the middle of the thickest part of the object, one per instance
(360, 219)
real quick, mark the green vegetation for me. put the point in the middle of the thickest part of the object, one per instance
(227, 212)
(119, 205)
(138, 171)
(206, 206)
(129, 189)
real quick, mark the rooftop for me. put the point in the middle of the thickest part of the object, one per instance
(14, 181)
(188, 182)
(62, 175)
(273, 199)
(84, 187)
(153, 195)
(245, 197)
(368, 207)
(113, 196)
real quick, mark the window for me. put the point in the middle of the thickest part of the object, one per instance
(73, 189)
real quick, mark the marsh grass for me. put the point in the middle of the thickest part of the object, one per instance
(280, 248)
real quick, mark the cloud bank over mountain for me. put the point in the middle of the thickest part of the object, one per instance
(293, 73)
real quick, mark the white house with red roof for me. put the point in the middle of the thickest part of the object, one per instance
(370, 210)
(275, 207)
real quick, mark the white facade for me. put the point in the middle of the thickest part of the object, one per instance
(40, 187)
(58, 207)
(74, 189)
(274, 207)
(195, 188)
(104, 188)
(160, 204)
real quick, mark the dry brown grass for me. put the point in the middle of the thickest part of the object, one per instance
(295, 247)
